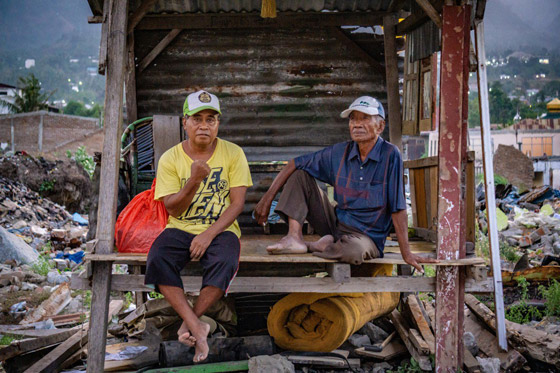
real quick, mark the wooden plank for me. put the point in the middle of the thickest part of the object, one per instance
(433, 200)
(421, 162)
(139, 13)
(420, 190)
(392, 79)
(413, 202)
(107, 4)
(418, 342)
(66, 349)
(487, 152)
(338, 34)
(239, 20)
(324, 361)
(402, 328)
(509, 361)
(389, 258)
(421, 323)
(431, 12)
(25, 345)
(130, 81)
(106, 216)
(428, 191)
(150, 57)
(166, 133)
(339, 272)
(394, 349)
(452, 152)
(297, 284)
(471, 364)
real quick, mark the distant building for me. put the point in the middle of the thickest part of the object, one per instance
(74, 60)
(7, 93)
(29, 63)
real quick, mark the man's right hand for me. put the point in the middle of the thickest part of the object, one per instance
(199, 171)
(262, 209)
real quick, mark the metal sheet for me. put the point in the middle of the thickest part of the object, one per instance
(277, 88)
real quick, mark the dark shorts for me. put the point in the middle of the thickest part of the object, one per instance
(170, 253)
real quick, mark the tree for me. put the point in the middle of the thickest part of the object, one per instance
(78, 108)
(502, 110)
(30, 99)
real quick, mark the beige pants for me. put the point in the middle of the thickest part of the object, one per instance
(302, 199)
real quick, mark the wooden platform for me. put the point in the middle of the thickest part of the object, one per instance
(260, 272)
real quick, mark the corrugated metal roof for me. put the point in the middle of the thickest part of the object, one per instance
(252, 6)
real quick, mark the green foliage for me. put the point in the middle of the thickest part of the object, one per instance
(42, 266)
(500, 180)
(87, 299)
(508, 252)
(128, 299)
(521, 313)
(482, 245)
(155, 295)
(82, 157)
(552, 298)
(8, 339)
(474, 110)
(30, 99)
(406, 366)
(47, 185)
(80, 109)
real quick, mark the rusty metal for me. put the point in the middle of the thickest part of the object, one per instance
(452, 153)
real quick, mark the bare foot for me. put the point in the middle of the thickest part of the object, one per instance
(321, 244)
(201, 347)
(185, 336)
(288, 245)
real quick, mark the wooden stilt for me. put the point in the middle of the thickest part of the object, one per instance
(450, 284)
(130, 81)
(392, 77)
(116, 53)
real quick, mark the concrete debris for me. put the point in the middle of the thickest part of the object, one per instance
(470, 343)
(489, 365)
(270, 364)
(15, 248)
(374, 332)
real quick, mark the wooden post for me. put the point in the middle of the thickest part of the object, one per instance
(116, 57)
(130, 82)
(489, 185)
(392, 78)
(450, 284)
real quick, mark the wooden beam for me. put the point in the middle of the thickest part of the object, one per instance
(392, 79)
(403, 330)
(150, 57)
(22, 346)
(254, 20)
(296, 284)
(130, 81)
(487, 156)
(95, 19)
(395, 6)
(104, 34)
(414, 21)
(139, 13)
(430, 11)
(452, 152)
(116, 62)
(355, 48)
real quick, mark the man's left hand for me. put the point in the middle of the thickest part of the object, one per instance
(199, 244)
(415, 260)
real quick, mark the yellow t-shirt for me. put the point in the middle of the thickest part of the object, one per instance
(229, 169)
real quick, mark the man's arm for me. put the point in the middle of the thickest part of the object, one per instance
(262, 208)
(400, 221)
(201, 242)
(177, 203)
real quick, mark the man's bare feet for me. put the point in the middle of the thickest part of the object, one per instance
(288, 245)
(184, 335)
(321, 244)
(201, 347)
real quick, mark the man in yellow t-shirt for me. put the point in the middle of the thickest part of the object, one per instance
(202, 182)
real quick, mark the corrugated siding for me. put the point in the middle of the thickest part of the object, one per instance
(239, 6)
(279, 88)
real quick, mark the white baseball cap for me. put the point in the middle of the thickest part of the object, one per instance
(365, 104)
(199, 101)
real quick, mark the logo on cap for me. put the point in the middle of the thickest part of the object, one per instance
(204, 97)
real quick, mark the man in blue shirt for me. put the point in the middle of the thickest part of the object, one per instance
(367, 176)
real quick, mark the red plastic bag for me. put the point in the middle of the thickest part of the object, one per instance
(139, 224)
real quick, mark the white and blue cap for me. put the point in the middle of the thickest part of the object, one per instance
(199, 101)
(365, 104)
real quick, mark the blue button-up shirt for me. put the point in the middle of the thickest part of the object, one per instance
(367, 192)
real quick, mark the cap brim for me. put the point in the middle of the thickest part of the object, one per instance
(199, 109)
(365, 110)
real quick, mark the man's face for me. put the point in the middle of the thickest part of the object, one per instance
(364, 127)
(202, 127)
